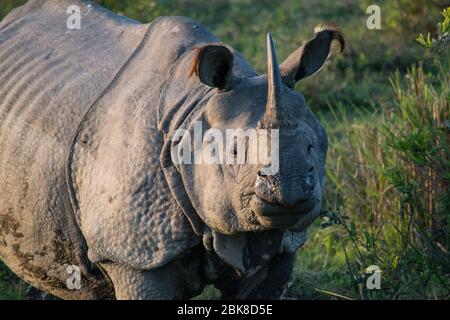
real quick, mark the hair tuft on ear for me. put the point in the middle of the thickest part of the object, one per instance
(335, 32)
(195, 63)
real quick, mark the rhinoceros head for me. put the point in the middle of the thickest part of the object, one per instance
(263, 155)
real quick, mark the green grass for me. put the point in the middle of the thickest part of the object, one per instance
(385, 105)
(358, 77)
(11, 287)
(388, 194)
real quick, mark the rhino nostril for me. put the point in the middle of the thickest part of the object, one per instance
(311, 170)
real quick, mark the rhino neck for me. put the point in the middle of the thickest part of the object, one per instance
(182, 99)
(181, 96)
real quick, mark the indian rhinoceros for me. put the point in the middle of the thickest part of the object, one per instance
(92, 203)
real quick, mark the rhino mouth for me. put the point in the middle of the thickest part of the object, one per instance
(275, 216)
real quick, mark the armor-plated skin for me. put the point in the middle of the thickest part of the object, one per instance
(86, 175)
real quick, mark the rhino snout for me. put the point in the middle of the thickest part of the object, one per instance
(281, 202)
(286, 192)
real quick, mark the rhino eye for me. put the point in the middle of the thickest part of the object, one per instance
(239, 150)
(310, 147)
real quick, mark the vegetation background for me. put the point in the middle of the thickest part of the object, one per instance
(385, 103)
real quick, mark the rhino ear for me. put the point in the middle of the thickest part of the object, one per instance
(312, 55)
(214, 66)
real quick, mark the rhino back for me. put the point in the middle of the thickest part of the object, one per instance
(49, 77)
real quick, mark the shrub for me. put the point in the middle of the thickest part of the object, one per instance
(389, 177)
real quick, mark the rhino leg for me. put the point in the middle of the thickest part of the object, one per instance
(179, 279)
(130, 284)
(269, 283)
(277, 279)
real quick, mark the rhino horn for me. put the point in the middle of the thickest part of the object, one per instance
(275, 115)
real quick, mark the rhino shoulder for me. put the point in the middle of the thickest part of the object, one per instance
(122, 201)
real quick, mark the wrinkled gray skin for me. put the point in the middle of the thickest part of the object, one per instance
(86, 175)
